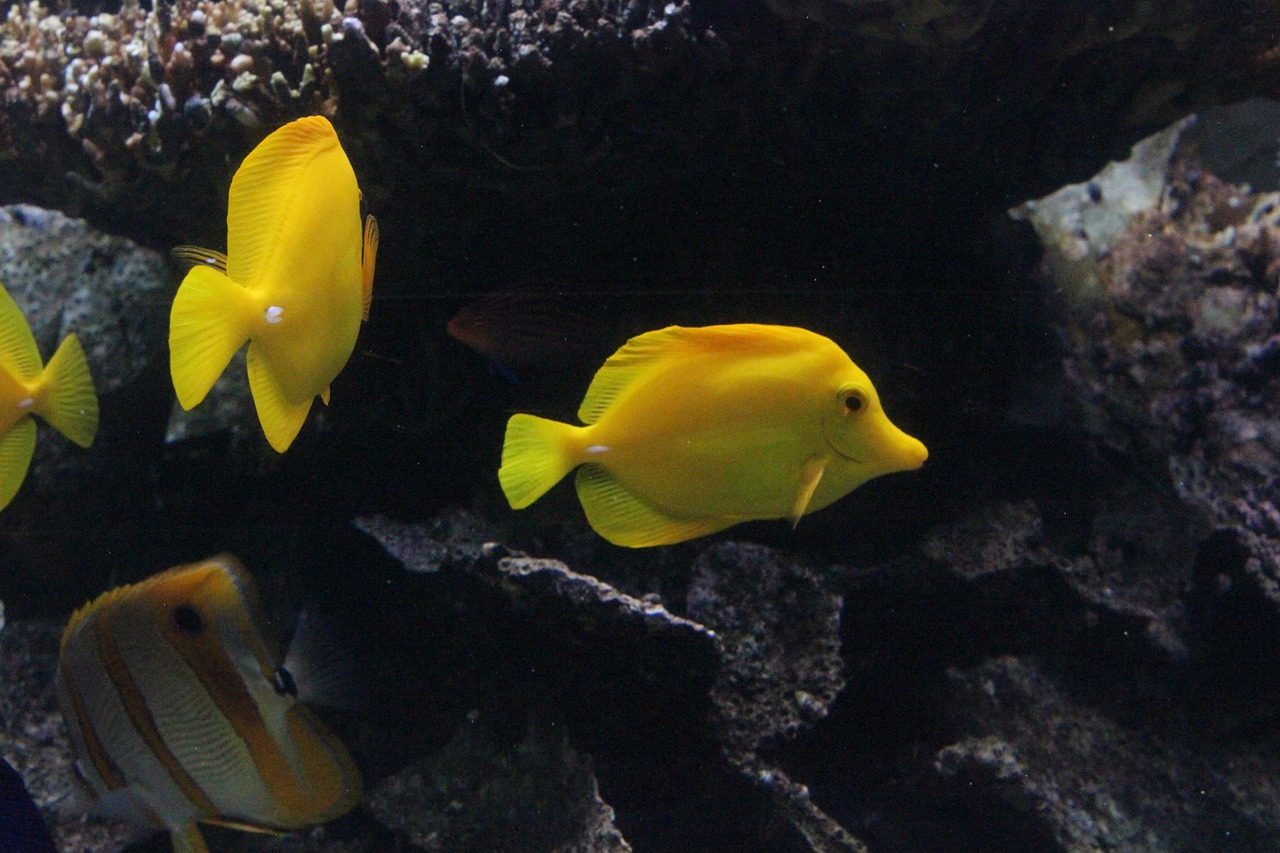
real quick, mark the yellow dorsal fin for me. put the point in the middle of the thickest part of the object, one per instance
(642, 354)
(188, 839)
(195, 256)
(626, 520)
(281, 420)
(70, 405)
(810, 477)
(368, 259)
(16, 447)
(18, 353)
(261, 193)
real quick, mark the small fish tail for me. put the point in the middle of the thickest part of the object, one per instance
(536, 454)
(70, 405)
(206, 327)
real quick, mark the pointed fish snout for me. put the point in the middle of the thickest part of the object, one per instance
(903, 452)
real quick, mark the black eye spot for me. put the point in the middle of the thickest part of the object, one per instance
(188, 619)
(284, 683)
(853, 402)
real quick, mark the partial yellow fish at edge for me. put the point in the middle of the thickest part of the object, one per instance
(295, 282)
(60, 392)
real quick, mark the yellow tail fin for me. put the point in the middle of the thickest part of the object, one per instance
(209, 322)
(70, 405)
(536, 454)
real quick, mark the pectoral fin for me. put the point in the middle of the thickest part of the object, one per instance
(810, 477)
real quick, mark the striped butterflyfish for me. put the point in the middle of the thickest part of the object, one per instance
(181, 711)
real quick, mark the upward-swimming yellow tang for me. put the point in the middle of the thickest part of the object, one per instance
(295, 281)
(61, 393)
(180, 710)
(689, 431)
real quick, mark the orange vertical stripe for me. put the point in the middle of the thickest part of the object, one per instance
(140, 715)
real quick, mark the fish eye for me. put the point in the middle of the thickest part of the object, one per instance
(854, 401)
(188, 619)
(282, 681)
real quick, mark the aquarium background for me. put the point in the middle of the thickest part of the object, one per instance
(1059, 635)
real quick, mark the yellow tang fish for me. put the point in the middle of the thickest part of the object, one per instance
(61, 393)
(691, 430)
(180, 710)
(295, 282)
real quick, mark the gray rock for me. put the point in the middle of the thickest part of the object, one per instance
(68, 277)
(1102, 785)
(481, 793)
(779, 631)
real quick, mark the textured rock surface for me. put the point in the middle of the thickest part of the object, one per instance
(480, 793)
(767, 670)
(1099, 783)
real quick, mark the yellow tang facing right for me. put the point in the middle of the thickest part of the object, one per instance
(295, 282)
(691, 430)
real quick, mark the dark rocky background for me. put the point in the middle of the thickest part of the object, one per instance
(1056, 636)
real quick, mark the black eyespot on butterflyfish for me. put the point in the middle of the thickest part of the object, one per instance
(284, 683)
(188, 619)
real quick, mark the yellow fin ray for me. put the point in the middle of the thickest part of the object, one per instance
(70, 405)
(324, 395)
(207, 324)
(368, 259)
(16, 447)
(262, 193)
(18, 352)
(810, 477)
(536, 454)
(626, 520)
(281, 420)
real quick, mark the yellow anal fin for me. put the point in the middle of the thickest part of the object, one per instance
(626, 520)
(70, 404)
(208, 323)
(18, 353)
(810, 477)
(536, 454)
(16, 447)
(281, 420)
(196, 256)
(324, 395)
(188, 840)
(368, 259)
